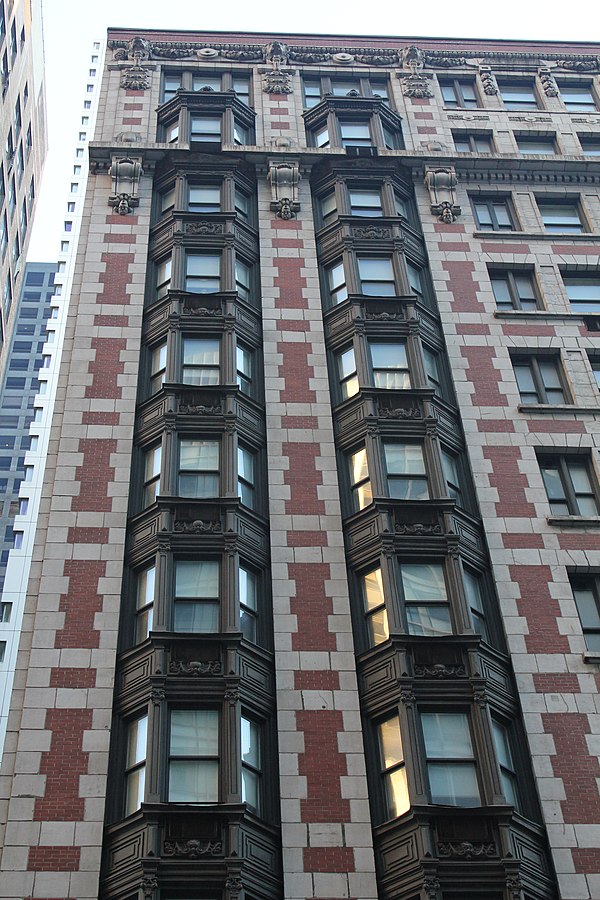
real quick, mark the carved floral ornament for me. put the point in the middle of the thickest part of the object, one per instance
(411, 59)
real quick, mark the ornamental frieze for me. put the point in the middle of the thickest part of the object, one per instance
(139, 48)
(192, 849)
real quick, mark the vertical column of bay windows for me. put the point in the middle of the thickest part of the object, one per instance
(194, 742)
(442, 728)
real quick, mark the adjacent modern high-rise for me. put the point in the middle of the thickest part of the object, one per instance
(23, 143)
(314, 608)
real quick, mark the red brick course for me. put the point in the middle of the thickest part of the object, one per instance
(72, 678)
(100, 418)
(290, 283)
(509, 482)
(462, 285)
(578, 770)
(94, 475)
(81, 604)
(563, 683)
(317, 680)
(116, 276)
(329, 859)
(514, 541)
(106, 368)
(556, 426)
(539, 609)
(62, 765)
(311, 607)
(484, 376)
(87, 536)
(54, 859)
(296, 371)
(303, 479)
(323, 802)
(497, 426)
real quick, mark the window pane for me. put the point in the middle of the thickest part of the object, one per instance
(195, 781)
(373, 589)
(194, 578)
(200, 361)
(250, 743)
(587, 607)
(430, 621)
(423, 581)
(134, 795)
(397, 792)
(391, 743)
(447, 735)
(137, 739)
(194, 732)
(453, 784)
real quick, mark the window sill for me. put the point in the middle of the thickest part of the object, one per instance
(535, 314)
(574, 521)
(581, 237)
(560, 408)
(591, 657)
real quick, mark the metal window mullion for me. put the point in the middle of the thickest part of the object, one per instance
(567, 485)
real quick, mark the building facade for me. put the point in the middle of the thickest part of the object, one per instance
(29, 391)
(313, 607)
(24, 143)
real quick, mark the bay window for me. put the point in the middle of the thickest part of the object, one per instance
(194, 756)
(450, 759)
(198, 468)
(196, 603)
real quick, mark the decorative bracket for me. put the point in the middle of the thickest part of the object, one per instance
(441, 184)
(415, 84)
(488, 81)
(277, 80)
(126, 173)
(284, 179)
(548, 83)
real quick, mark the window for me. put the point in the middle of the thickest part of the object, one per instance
(390, 365)
(346, 366)
(431, 362)
(451, 474)
(583, 292)
(158, 365)
(561, 216)
(163, 278)
(204, 199)
(539, 379)
(321, 137)
(595, 364)
(493, 213)
(203, 273)
(406, 475)
(569, 485)
(586, 591)
(590, 144)
(194, 756)
(376, 276)
(508, 774)
(152, 463)
(248, 588)
(472, 583)
(244, 366)
(536, 145)
(578, 97)
(518, 94)
(425, 599)
(450, 759)
(172, 132)
(196, 606)
(18, 117)
(241, 134)
(200, 361)
(336, 282)
(135, 764)
(205, 129)
(360, 484)
(466, 142)
(393, 770)
(355, 134)
(167, 201)
(198, 468)
(68, 226)
(251, 764)
(246, 477)
(241, 202)
(28, 140)
(415, 280)
(375, 612)
(458, 92)
(144, 602)
(365, 203)
(328, 208)
(316, 88)
(243, 275)
(70, 207)
(171, 84)
(5, 611)
(514, 290)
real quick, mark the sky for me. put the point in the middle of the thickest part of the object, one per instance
(71, 26)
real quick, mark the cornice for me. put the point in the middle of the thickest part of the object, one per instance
(340, 55)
